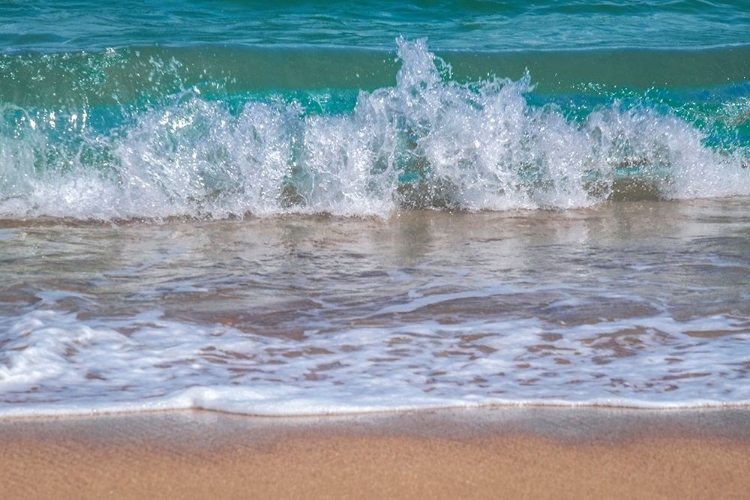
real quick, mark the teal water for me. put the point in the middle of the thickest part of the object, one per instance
(486, 25)
(176, 109)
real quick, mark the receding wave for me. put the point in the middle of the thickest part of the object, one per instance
(211, 150)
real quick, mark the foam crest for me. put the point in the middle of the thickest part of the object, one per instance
(429, 142)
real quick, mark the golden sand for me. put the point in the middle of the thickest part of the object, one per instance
(407, 457)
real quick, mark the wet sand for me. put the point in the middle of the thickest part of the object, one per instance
(500, 453)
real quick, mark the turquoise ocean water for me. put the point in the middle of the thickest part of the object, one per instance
(312, 207)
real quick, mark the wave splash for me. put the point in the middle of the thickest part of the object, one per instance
(429, 142)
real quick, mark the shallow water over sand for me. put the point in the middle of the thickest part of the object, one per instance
(633, 304)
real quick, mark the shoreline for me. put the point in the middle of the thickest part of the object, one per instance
(468, 453)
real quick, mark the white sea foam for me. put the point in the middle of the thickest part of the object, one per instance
(428, 141)
(55, 363)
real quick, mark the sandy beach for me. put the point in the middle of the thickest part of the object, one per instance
(501, 453)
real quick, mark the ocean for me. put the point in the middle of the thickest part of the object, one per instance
(307, 208)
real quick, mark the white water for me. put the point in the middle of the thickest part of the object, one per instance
(427, 142)
(60, 365)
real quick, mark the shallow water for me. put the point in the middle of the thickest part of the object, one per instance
(627, 304)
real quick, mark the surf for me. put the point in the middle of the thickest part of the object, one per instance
(430, 141)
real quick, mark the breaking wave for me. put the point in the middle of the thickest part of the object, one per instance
(429, 142)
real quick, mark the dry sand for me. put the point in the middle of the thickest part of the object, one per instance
(503, 453)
